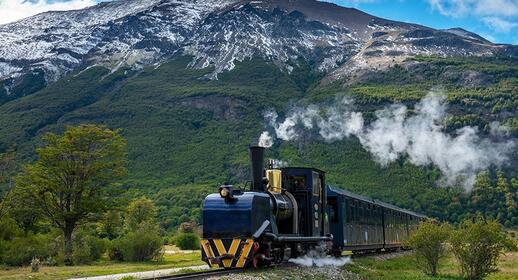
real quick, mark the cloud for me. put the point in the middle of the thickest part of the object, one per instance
(500, 25)
(451, 8)
(13, 10)
(505, 8)
(496, 14)
(460, 8)
(348, 2)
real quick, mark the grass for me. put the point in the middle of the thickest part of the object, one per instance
(103, 267)
(405, 267)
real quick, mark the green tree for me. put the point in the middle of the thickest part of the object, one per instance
(482, 195)
(140, 211)
(141, 240)
(477, 244)
(429, 242)
(73, 177)
(111, 225)
(7, 164)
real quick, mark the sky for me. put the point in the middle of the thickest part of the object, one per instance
(495, 20)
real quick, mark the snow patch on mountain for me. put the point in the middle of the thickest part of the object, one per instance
(219, 33)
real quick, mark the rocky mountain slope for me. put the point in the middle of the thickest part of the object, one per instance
(332, 39)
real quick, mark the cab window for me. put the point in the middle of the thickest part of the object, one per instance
(317, 184)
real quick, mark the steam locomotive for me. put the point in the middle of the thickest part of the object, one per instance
(291, 210)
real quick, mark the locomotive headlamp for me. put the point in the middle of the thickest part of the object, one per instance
(226, 191)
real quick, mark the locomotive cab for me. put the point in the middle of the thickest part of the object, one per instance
(308, 187)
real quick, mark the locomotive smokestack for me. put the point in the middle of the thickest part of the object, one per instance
(257, 159)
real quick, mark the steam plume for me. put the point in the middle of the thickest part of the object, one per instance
(395, 133)
(265, 140)
(318, 257)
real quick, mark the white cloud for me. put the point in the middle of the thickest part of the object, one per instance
(460, 8)
(451, 8)
(500, 25)
(505, 8)
(499, 15)
(348, 2)
(13, 10)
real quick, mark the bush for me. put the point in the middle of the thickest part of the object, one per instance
(428, 241)
(21, 250)
(187, 241)
(477, 245)
(187, 227)
(9, 229)
(142, 245)
(88, 249)
(114, 250)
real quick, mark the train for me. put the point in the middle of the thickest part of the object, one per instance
(290, 211)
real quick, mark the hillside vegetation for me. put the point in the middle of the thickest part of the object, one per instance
(185, 134)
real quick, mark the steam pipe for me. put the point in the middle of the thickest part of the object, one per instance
(257, 160)
(277, 238)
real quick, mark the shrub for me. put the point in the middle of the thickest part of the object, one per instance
(114, 250)
(187, 227)
(88, 248)
(35, 265)
(9, 229)
(477, 244)
(187, 241)
(142, 245)
(428, 241)
(21, 250)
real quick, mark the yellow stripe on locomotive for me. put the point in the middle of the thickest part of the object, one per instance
(227, 253)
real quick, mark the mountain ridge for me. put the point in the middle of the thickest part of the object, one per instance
(336, 41)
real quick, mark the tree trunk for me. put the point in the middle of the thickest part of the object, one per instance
(67, 234)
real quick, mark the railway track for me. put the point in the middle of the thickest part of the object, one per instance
(199, 274)
(226, 272)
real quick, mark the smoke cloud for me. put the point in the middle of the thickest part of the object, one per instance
(395, 133)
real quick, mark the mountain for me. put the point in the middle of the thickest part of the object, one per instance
(332, 39)
(188, 83)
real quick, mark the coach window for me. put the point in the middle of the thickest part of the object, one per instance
(333, 210)
(356, 211)
(362, 213)
(349, 211)
(369, 214)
